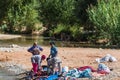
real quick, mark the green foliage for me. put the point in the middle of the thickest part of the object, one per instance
(3, 28)
(20, 14)
(106, 18)
(57, 11)
(49, 10)
(80, 10)
(58, 16)
(64, 15)
(4, 5)
(67, 13)
(74, 31)
(61, 28)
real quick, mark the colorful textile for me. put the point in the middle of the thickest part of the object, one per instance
(95, 74)
(52, 77)
(86, 67)
(103, 72)
(65, 69)
(35, 67)
(86, 73)
(103, 69)
(42, 78)
(79, 74)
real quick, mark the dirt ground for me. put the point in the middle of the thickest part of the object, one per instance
(71, 57)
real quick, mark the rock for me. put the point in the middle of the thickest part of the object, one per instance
(14, 46)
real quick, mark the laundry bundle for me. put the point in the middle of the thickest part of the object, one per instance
(107, 58)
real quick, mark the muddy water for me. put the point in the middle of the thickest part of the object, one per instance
(25, 41)
(28, 40)
(43, 41)
(5, 75)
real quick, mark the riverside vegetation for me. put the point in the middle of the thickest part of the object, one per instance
(75, 20)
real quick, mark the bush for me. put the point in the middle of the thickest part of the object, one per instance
(106, 19)
(68, 32)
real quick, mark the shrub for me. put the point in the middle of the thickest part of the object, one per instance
(106, 19)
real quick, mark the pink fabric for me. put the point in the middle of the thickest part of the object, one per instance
(103, 72)
(95, 74)
(35, 67)
(86, 67)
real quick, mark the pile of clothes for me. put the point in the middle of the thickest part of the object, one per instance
(75, 73)
(107, 58)
(84, 72)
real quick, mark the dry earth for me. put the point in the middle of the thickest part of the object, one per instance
(71, 57)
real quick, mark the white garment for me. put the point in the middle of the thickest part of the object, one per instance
(107, 58)
(65, 69)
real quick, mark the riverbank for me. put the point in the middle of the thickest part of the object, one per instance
(8, 36)
(17, 58)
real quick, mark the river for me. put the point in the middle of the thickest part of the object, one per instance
(43, 41)
(5, 75)
(27, 41)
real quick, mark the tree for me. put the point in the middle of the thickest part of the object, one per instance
(106, 19)
(20, 14)
(54, 12)
(80, 10)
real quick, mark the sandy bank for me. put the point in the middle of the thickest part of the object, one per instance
(8, 36)
(71, 57)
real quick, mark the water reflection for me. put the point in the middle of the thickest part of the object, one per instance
(44, 41)
(5, 75)
(27, 41)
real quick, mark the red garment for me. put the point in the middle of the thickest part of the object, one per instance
(41, 73)
(86, 67)
(35, 67)
(103, 72)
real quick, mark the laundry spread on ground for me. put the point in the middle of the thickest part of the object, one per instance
(74, 74)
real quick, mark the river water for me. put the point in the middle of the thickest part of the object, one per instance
(27, 41)
(43, 41)
(5, 75)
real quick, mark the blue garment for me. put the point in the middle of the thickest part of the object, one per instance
(52, 77)
(79, 74)
(53, 51)
(85, 74)
(102, 66)
(33, 47)
(43, 78)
